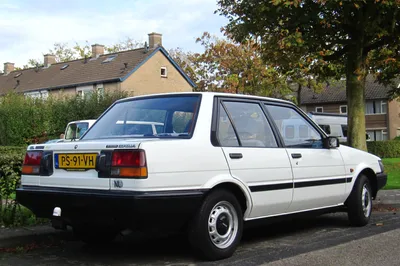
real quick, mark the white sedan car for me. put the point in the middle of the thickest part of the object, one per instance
(219, 161)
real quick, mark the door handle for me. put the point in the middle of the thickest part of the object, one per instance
(235, 155)
(296, 155)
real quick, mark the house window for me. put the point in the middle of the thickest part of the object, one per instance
(164, 72)
(377, 135)
(37, 95)
(84, 91)
(343, 109)
(384, 107)
(376, 107)
(369, 108)
(319, 109)
(384, 135)
(110, 58)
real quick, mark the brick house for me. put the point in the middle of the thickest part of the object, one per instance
(382, 115)
(140, 71)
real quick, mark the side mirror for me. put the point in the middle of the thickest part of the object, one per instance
(331, 142)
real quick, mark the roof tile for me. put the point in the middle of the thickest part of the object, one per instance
(78, 72)
(336, 92)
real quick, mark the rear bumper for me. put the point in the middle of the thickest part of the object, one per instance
(381, 180)
(136, 210)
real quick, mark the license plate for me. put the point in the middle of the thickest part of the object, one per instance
(75, 161)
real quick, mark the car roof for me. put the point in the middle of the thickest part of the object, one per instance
(209, 94)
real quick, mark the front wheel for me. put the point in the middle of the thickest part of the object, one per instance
(216, 229)
(360, 202)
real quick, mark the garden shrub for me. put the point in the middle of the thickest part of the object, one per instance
(385, 149)
(26, 121)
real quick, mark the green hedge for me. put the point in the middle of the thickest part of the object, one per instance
(13, 214)
(25, 121)
(385, 149)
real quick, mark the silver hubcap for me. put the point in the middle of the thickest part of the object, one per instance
(366, 201)
(223, 224)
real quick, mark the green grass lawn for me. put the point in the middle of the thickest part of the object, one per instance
(392, 168)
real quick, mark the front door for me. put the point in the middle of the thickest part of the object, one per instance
(319, 173)
(254, 156)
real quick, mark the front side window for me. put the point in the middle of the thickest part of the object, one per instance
(172, 116)
(225, 134)
(296, 131)
(245, 126)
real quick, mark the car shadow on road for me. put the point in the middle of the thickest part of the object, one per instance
(175, 249)
(276, 229)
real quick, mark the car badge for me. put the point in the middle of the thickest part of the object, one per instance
(76, 147)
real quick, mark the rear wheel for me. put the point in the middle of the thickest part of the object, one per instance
(359, 203)
(216, 230)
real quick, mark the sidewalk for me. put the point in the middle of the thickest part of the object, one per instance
(381, 249)
(388, 197)
(386, 200)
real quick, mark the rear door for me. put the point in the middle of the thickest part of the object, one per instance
(319, 173)
(254, 155)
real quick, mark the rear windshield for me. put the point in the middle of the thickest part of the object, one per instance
(172, 116)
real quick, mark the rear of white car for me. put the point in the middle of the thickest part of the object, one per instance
(117, 176)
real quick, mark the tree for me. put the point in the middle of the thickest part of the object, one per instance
(186, 61)
(124, 45)
(325, 39)
(233, 67)
(63, 52)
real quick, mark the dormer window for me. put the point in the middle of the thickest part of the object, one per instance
(164, 72)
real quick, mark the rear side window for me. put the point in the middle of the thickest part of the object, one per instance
(172, 116)
(245, 126)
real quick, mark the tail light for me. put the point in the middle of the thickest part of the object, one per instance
(130, 164)
(31, 164)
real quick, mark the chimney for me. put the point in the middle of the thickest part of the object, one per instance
(8, 67)
(49, 59)
(97, 50)
(155, 40)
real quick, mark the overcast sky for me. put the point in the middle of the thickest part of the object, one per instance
(30, 28)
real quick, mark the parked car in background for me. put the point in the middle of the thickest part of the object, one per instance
(220, 160)
(76, 129)
(333, 124)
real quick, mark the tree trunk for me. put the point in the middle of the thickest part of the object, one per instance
(299, 95)
(355, 88)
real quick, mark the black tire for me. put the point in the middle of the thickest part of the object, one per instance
(94, 235)
(355, 210)
(199, 236)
